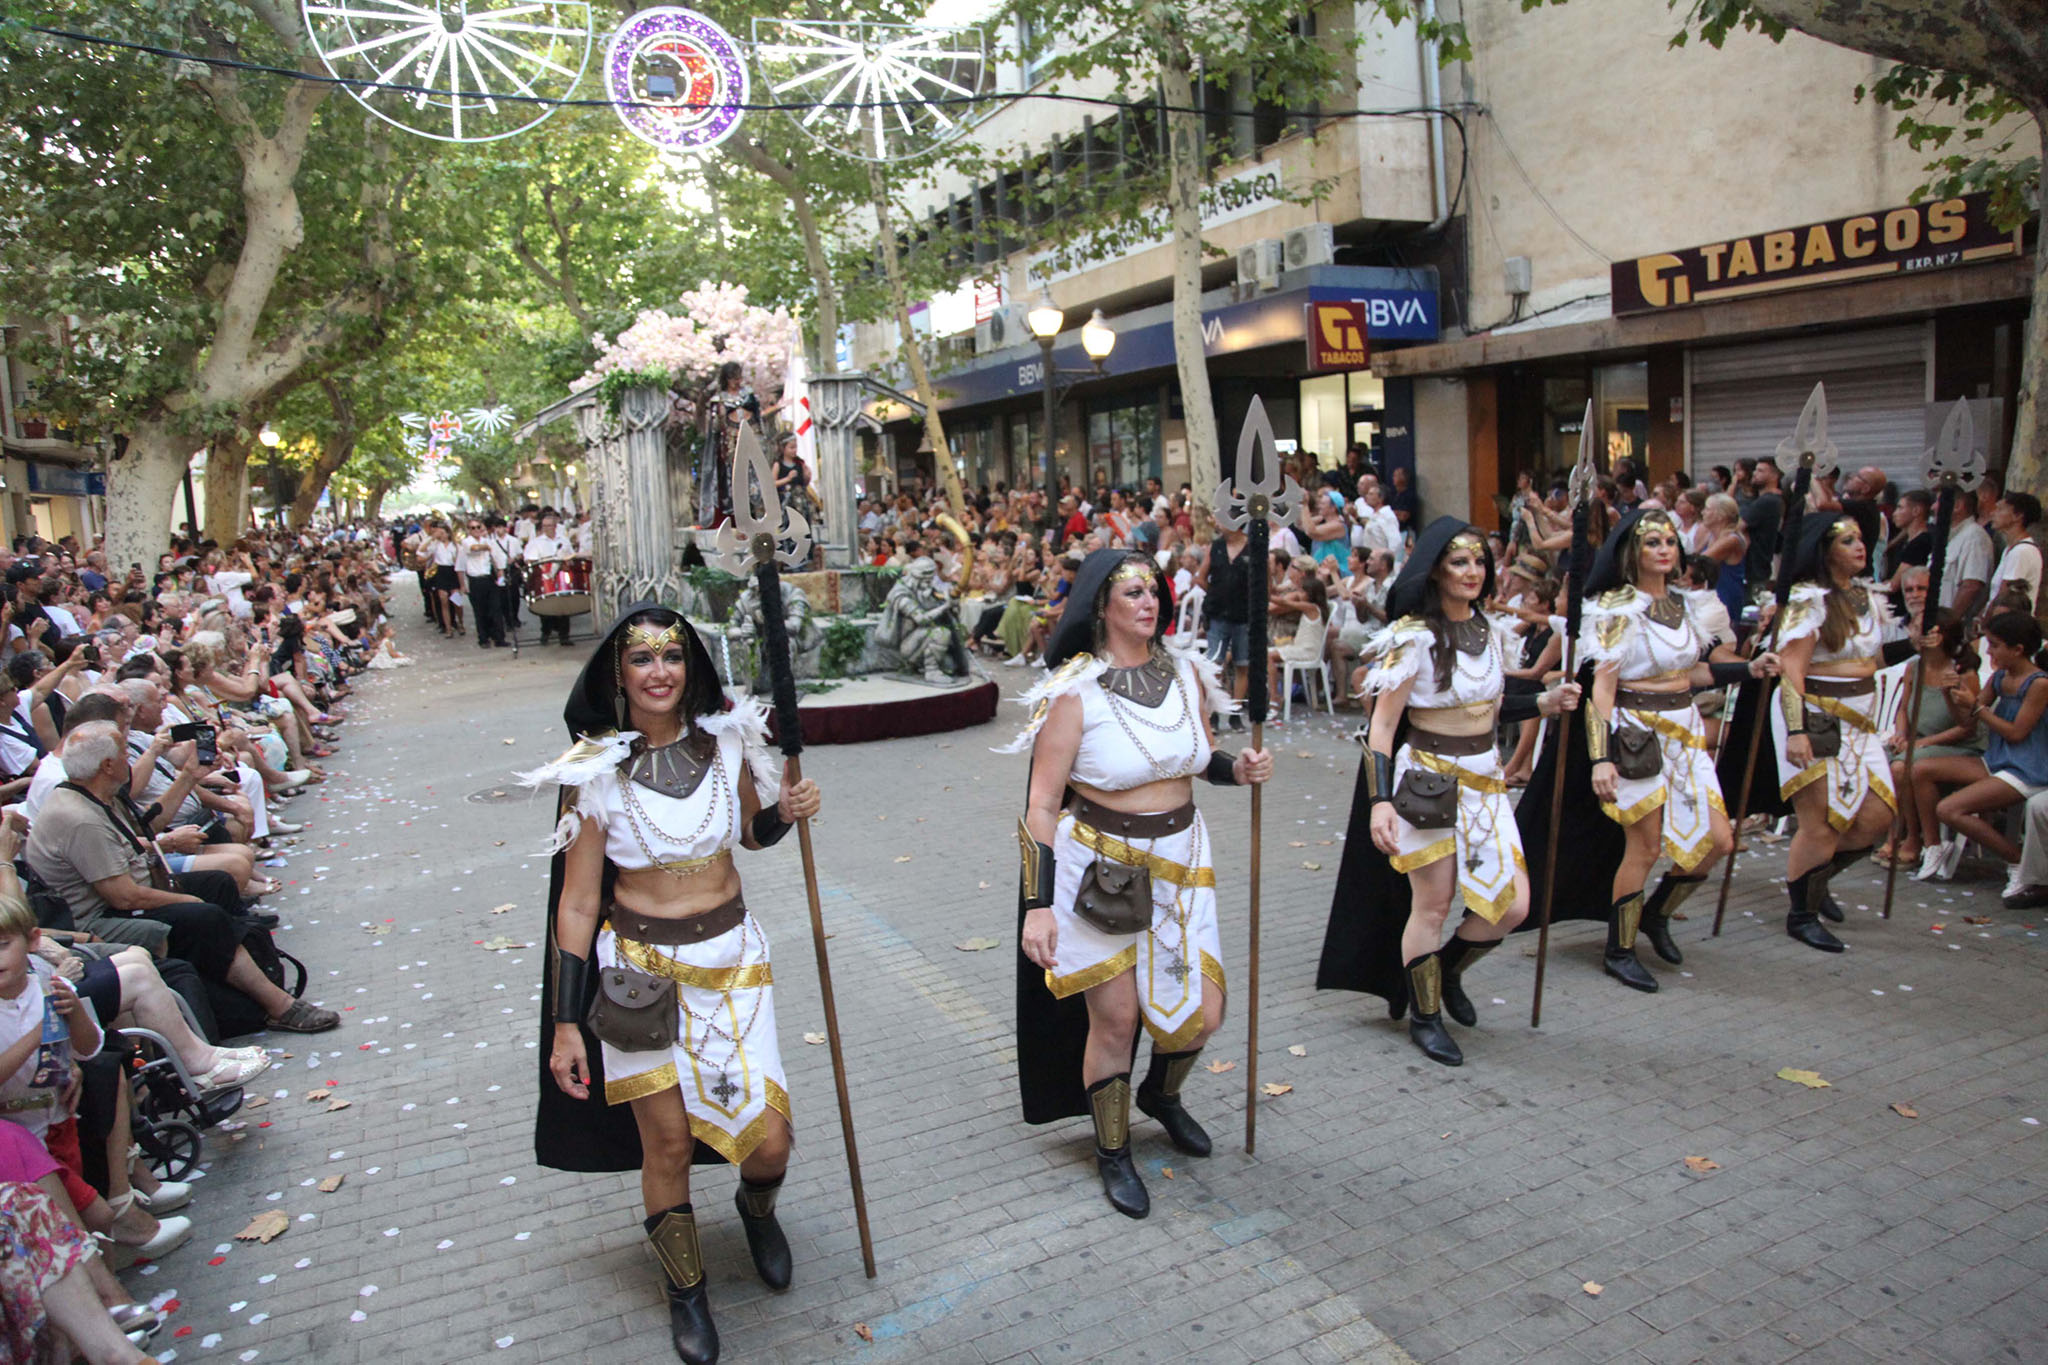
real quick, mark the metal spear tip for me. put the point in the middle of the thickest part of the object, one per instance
(1955, 458)
(1257, 477)
(1585, 474)
(1808, 445)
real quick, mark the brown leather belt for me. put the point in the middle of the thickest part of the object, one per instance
(1840, 687)
(681, 932)
(1635, 699)
(1128, 824)
(1450, 746)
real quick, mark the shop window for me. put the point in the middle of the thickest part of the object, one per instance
(1325, 422)
(1123, 443)
(1027, 450)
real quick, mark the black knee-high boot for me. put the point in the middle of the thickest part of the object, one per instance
(674, 1235)
(1828, 907)
(765, 1240)
(1457, 958)
(1109, 1101)
(1425, 1011)
(1671, 893)
(1620, 957)
(1802, 922)
(1159, 1098)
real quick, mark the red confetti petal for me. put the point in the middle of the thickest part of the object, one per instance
(182, 1332)
(264, 1124)
(218, 1260)
(170, 1305)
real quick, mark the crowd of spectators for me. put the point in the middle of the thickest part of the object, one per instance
(154, 726)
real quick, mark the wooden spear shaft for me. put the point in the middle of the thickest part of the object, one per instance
(1562, 724)
(1257, 700)
(1916, 676)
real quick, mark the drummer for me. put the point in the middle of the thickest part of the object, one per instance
(551, 543)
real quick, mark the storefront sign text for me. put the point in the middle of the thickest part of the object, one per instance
(1336, 331)
(1928, 236)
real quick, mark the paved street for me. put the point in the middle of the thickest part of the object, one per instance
(1535, 1205)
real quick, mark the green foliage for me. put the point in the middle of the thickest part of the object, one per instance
(1973, 125)
(706, 579)
(845, 641)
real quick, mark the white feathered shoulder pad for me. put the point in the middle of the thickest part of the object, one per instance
(1607, 623)
(589, 763)
(1216, 698)
(747, 721)
(1399, 654)
(1804, 612)
(1069, 678)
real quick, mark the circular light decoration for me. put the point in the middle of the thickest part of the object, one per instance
(676, 78)
(475, 65)
(877, 91)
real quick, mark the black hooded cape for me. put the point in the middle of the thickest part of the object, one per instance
(589, 1135)
(1053, 1033)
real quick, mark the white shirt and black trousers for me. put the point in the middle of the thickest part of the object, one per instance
(484, 565)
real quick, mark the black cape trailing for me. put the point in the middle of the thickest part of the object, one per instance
(589, 1135)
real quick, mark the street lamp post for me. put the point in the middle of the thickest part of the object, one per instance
(1098, 339)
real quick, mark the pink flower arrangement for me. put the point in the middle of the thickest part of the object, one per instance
(711, 324)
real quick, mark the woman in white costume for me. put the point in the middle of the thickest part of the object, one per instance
(656, 956)
(1118, 884)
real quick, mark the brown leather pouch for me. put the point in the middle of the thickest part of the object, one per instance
(1427, 800)
(1115, 898)
(1823, 732)
(634, 1011)
(1636, 753)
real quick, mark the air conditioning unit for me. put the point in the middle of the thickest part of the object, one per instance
(1259, 265)
(1000, 330)
(1311, 244)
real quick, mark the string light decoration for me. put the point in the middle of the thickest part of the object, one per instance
(505, 63)
(879, 92)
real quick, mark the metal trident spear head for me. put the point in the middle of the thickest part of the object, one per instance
(1585, 474)
(1809, 440)
(747, 541)
(1257, 486)
(1955, 458)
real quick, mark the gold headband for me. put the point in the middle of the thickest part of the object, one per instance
(1654, 520)
(1467, 540)
(655, 639)
(1844, 526)
(1130, 568)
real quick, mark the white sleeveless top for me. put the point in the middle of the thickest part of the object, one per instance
(644, 827)
(1123, 744)
(1808, 609)
(1407, 650)
(1617, 629)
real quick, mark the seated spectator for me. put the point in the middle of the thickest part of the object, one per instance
(92, 852)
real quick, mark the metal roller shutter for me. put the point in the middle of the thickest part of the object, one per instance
(1743, 400)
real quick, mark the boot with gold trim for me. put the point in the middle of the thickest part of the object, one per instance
(756, 1203)
(1457, 957)
(1109, 1101)
(1159, 1098)
(1620, 958)
(1425, 1011)
(1671, 892)
(673, 1233)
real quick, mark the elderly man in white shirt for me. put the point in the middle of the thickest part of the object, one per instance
(551, 543)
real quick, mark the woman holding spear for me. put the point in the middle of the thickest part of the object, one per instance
(655, 954)
(1118, 884)
(1432, 844)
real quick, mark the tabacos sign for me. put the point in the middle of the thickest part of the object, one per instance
(1927, 236)
(1335, 329)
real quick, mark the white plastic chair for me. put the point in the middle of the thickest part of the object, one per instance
(1308, 667)
(1187, 619)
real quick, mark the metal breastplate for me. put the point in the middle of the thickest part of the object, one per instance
(1146, 685)
(675, 770)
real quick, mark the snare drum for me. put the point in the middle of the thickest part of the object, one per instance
(558, 587)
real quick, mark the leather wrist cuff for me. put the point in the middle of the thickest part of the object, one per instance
(1596, 734)
(572, 987)
(1730, 672)
(1222, 769)
(1035, 872)
(769, 826)
(1379, 777)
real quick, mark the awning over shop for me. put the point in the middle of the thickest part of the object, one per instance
(1401, 305)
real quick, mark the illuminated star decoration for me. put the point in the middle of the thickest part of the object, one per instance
(875, 89)
(489, 59)
(435, 438)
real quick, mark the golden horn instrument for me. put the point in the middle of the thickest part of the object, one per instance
(959, 534)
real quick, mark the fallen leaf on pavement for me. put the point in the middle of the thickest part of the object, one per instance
(339, 1105)
(1700, 1163)
(501, 909)
(814, 1039)
(1275, 1088)
(267, 1226)
(1166, 1171)
(860, 1329)
(1297, 843)
(1976, 919)
(904, 858)
(331, 1184)
(982, 887)
(1298, 1050)
(1218, 1068)
(1810, 1079)
(1303, 753)
(499, 943)
(256, 1103)
(975, 945)
(1313, 867)
(322, 1095)
(508, 741)
(1905, 1111)
(1593, 1287)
